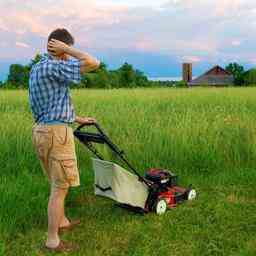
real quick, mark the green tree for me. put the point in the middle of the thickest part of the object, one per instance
(238, 73)
(114, 78)
(18, 76)
(36, 59)
(127, 75)
(102, 79)
(103, 66)
(90, 80)
(181, 83)
(250, 77)
(140, 79)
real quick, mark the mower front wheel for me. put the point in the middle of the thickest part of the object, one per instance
(191, 194)
(160, 206)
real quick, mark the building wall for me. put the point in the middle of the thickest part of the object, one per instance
(213, 80)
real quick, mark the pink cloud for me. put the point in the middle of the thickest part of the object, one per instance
(185, 29)
(226, 6)
(193, 59)
(23, 45)
(2, 25)
(236, 42)
(41, 19)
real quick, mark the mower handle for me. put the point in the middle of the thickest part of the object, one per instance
(103, 138)
(83, 125)
(97, 126)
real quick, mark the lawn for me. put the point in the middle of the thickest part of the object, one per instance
(205, 135)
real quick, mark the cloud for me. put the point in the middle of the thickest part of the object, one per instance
(23, 45)
(192, 59)
(236, 43)
(3, 26)
(211, 31)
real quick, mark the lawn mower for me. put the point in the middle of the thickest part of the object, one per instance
(157, 190)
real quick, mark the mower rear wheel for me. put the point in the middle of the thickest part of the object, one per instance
(160, 206)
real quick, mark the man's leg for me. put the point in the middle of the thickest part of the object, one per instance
(55, 215)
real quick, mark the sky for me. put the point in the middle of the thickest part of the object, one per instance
(154, 36)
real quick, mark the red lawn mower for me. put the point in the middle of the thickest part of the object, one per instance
(162, 190)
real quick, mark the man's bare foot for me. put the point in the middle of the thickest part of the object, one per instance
(63, 246)
(52, 243)
(64, 222)
(72, 225)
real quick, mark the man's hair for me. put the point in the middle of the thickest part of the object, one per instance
(62, 35)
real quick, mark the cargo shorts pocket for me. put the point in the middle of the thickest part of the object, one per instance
(70, 170)
(60, 135)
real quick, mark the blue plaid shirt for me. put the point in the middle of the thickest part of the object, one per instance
(49, 94)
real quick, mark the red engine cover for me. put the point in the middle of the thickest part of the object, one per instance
(169, 196)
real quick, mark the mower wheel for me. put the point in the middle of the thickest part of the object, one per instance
(191, 194)
(160, 206)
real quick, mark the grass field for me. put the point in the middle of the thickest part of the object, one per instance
(207, 136)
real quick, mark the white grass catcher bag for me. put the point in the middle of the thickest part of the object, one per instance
(115, 182)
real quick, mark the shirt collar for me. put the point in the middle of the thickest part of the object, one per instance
(47, 56)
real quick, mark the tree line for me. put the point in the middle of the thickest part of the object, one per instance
(124, 77)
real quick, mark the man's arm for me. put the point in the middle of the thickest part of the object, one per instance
(88, 62)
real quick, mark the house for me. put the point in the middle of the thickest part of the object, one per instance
(217, 76)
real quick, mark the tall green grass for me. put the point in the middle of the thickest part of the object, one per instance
(207, 136)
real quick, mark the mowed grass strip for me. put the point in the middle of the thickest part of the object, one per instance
(206, 135)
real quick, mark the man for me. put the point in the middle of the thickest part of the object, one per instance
(53, 111)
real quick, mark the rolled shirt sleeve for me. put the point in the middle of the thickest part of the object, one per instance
(67, 71)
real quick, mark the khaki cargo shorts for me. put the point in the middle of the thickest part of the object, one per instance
(55, 148)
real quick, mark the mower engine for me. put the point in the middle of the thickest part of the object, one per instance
(163, 178)
(164, 192)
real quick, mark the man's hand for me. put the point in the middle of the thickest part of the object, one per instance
(56, 47)
(85, 120)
